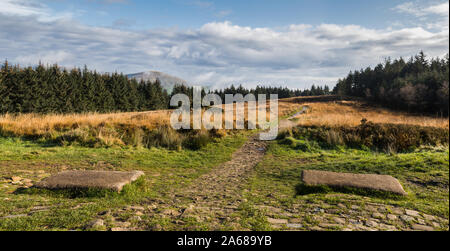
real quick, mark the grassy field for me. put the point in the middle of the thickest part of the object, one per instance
(272, 197)
(277, 191)
(165, 170)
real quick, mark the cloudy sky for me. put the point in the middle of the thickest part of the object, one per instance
(293, 43)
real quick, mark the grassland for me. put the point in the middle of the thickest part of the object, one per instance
(165, 170)
(276, 189)
(271, 196)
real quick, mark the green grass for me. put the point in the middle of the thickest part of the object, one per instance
(165, 170)
(423, 173)
(276, 182)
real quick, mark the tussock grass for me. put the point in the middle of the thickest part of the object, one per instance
(350, 113)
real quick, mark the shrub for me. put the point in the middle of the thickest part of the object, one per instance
(385, 137)
(197, 139)
(163, 136)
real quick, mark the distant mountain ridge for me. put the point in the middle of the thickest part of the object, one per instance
(167, 81)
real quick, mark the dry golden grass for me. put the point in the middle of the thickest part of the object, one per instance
(324, 111)
(34, 124)
(350, 113)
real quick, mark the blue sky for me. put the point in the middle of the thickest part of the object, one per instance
(143, 14)
(217, 43)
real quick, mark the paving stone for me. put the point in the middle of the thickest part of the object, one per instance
(355, 207)
(429, 217)
(371, 223)
(422, 227)
(16, 178)
(406, 218)
(90, 179)
(277, 221)
(340, 205)
(387, 227)
(378, 216)
(371, 208)
(295, 220)
(119, 229)
(316, 228)
(339, 220)
(96, 223)
(398, 211)
(392, 217)
(328, 225)
(412, 213)
(296, 225)
(366, 181)
(435, 224)
(421, 221)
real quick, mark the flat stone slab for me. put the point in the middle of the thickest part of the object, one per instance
(366, 181)
(112, 180)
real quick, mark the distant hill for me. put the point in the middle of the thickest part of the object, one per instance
(167, 81)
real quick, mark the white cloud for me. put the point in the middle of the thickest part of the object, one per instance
(217, 53)
(429, 15)
(417, 9)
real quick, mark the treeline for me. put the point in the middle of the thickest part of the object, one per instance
(283, 92)
(417, 85)
(52, 89)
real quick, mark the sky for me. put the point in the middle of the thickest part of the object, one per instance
(294, 43)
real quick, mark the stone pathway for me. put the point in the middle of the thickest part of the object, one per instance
(216, 195)
(351, 217)
(214, 199)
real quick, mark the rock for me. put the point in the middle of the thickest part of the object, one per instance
(295, 220)
(118, 229)
(123, 224)
(328, 225)
(387, 227)
(136, 218)
(406, 218)
(355, 207)
(435, 224)
(429, 217)
(340, 205)
(90, 179)
(16, 178)
(96, 224)
(421, 221)
(136, 208)
(318, 210)
(371, 223)
(365, 181)
(398, 211)
(277, 221)
(412, 213)
(378, 216)
(340, 221)
(316, 229)
(392, 217)
(27, 181)
(170, 212)
(13, 216)
(157, 227)
(422, 227)
(371, 208)
(290, 225)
